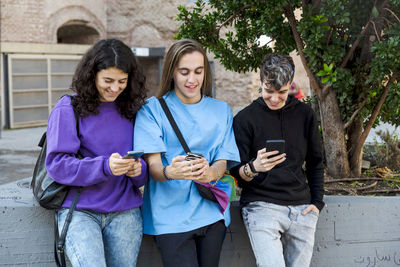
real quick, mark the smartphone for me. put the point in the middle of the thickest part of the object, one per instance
(272, 145)
(193, 156)
(133, 154)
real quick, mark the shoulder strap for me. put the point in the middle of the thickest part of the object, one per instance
(173, 124)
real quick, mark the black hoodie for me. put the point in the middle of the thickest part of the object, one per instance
(287, 183)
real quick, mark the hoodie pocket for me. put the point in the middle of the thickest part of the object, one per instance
(285, 178)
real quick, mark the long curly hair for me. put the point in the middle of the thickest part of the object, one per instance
(171, 60)
(102, 55)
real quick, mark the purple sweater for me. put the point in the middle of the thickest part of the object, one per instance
(100, 136)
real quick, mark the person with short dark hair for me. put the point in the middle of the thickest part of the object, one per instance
(106, 227)
(188, 229)
(280, 199)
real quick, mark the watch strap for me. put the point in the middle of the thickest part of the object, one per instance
(251, 165)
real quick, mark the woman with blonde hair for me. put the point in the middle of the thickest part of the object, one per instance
(189, 230)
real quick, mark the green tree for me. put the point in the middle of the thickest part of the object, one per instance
(350, 50)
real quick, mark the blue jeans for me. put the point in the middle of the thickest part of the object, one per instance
(102, 239)
(280, 235)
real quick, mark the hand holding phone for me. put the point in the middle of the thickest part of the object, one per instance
(196, 170)
(272, 145)
(133, 154)
(193, 156)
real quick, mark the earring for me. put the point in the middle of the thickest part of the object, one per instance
(259, 90)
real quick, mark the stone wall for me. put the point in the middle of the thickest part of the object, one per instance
(23, 21)
(151, 23)
(37, 21)
(137, 23)
(351, 231)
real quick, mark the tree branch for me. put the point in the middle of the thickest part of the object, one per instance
(367, 187)
(377, 108)
(325, 90)
(358, 147)
(303, 4)
(348, 123)
(354, 46)
(394, 15)
(388, 21)
(329, 37)
(288, 11)
(382, 191)
(218, 28)
(354, 179)
(376, 32)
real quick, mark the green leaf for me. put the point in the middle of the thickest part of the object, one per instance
(375, 12)
(325, 80)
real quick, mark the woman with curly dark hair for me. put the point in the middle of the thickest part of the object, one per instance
(104, 54)
(106, 226)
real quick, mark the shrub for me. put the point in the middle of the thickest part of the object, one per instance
(385, 154)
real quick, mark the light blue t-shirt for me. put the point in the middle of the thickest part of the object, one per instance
(176, 206)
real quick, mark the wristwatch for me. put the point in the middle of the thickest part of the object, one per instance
(253, 170)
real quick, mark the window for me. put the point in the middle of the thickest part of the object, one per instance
(35, 85)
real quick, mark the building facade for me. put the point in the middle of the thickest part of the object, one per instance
(42, 41)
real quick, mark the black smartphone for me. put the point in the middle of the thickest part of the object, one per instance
(272, 145)
(193, 156)
(133, 154)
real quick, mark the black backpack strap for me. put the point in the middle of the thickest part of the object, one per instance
(203, 191)
(173, 124)
(59, 241)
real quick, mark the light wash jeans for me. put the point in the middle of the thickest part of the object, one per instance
(280, 235)
(102, 239)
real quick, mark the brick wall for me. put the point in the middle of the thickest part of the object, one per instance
(23, 21)
(137, 23)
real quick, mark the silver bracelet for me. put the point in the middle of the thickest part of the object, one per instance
(213, 183)
(216, 168)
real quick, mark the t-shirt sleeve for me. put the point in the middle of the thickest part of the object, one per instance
(63, 144)
(228, 149)
(148, 134)
(244, 138)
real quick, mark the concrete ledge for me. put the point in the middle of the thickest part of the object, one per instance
(352, 231)
(358, 231)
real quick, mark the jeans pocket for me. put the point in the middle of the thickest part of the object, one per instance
(314, 213)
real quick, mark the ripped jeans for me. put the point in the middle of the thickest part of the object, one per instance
(280, 235)
(103, 239)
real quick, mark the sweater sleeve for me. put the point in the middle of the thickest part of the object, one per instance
(314, 164)
(62, 145)
(244, 136)
(140, 180)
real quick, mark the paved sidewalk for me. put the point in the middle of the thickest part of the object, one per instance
(18, 153)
